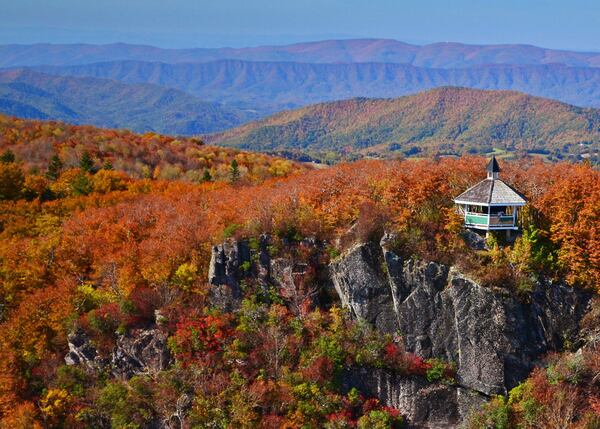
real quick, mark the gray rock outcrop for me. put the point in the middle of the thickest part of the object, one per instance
(139, 351)
(492, 336)
(224, 276)
(231, 262)
(83, 352)
(425, 405)
(235, 261)
(363, 287)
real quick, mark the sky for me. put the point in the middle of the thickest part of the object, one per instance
(563, 24)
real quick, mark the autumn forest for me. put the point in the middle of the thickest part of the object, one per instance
(107, 233)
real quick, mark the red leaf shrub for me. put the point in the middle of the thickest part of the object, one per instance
(200, 339)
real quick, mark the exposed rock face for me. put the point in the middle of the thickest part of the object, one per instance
(230, 263)
(235, 261)
(140, 351)
(82, 351)
(425, 405)
(493, 337)
(590, 334)
(363, 286)
(224, 273)
(425, 316)
(474, 240)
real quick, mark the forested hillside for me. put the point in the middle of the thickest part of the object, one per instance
(101, 259)
(148, 155)
(445, 121)
(111, 104)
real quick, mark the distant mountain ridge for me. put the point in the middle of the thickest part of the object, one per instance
(108, 103)
(200, 91)
(438, 55)
(441, 121)
(274, 86)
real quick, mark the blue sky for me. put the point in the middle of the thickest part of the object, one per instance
(569, 24)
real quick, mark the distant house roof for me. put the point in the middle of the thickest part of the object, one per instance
(493, 166)
(491, 191)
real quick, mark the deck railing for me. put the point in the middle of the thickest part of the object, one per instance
(494, 219)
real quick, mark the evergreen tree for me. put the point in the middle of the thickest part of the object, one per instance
(81, 185)
(7, 157)
(54, 168)
(11, 181)
(86, 163)
(235, 171)
(207, 177)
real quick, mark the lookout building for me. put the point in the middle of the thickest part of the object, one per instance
(491, 204)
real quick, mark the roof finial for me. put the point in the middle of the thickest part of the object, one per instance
(493, 168)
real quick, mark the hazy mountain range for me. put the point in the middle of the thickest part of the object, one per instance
(200, 91)
(439, 55)
(441, 121)
(273, 86)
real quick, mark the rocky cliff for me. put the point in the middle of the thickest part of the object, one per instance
(230, 263)
(493, 337)
(235, 262)
(424, 404)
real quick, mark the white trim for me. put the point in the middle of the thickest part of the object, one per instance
(491, 228)
(490, 205)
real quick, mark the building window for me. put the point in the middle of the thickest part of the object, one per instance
(478, 209)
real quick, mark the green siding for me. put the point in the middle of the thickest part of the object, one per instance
(482, 219)
(477, 219)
